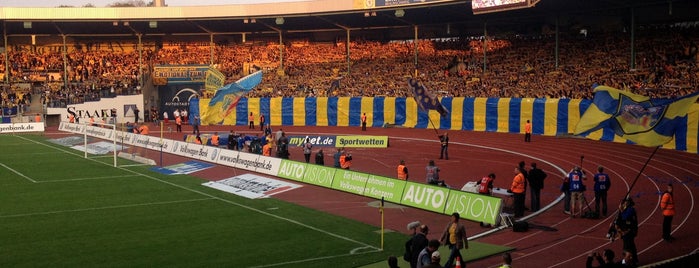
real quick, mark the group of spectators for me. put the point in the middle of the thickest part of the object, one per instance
(460, 67)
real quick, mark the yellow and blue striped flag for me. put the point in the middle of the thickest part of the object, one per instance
(226, 98)
(425, 100)
(637, 118)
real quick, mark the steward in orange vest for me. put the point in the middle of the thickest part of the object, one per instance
(667, 204)
(214, 140)
(267, 149)
(402, 171)
(345, 160)
(517, 189)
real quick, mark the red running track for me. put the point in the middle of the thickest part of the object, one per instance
(554, 239)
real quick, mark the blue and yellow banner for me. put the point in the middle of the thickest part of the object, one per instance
(550, 117)
(227, 97)
(635, 117)
(187, 74)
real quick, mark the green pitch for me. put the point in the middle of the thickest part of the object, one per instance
(58, 209)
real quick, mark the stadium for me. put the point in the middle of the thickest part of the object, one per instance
(323, 66)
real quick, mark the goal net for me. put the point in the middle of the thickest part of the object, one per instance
(107, 147)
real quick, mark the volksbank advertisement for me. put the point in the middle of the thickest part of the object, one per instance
(438, 199)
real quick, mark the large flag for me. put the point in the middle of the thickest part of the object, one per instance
(226, 98)
(425, 100)
(635, 117)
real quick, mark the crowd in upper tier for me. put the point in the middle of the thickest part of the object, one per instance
(665, 66)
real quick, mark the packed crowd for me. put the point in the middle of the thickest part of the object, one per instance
(515, 67)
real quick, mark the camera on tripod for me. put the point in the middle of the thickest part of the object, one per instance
(612, 233)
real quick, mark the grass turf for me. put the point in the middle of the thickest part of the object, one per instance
(60, 209)
(475, 251)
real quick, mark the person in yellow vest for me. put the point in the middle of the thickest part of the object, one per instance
(267, 149)
(214, 139)
(37, 118)
(402, 171)
(517, 189)
(528, 132)
(667, 204)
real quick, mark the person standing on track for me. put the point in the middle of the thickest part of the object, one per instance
(667, 204)
(577, 190)
(336, 158)
(536, 183)
(402, 171)
(627, 224)
(517, 189)
(166, 119)
(364, 122)
(602, 184)
(307, 149)
(178, 123)
(444, 141)
(523, 168)
(195, 125)
(528, 132)
(565, 188)
(262, 122)
(320, 158)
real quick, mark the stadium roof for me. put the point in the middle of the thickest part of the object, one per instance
(323, 16)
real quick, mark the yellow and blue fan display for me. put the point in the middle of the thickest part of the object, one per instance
(636, 118)
(549, 117)
(227, 97)
(425, 100)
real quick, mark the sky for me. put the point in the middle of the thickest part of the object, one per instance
(104, 3)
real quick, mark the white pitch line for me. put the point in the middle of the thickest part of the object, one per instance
(90, 178)
(17, 172)
(352, 253)
(135, 165)
(103, 208)
(219, 198)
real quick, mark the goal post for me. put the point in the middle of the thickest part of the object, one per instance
(94, 129)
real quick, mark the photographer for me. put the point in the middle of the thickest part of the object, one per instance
(604, 260)
(577, 190)
(627, 227)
